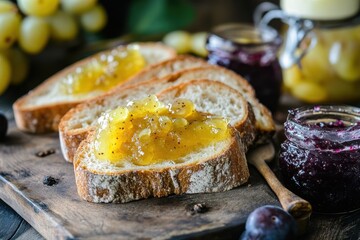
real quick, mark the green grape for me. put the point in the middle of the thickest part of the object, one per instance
(19, 62)
(309, 91)
(5, 73)
(345, 60)
(198, 41)
(6, 6)
(343, 34)
(78, 6)
(63, 26)
(291, 76)
(341, 91)
(180, 40)
(94, 19)
(34, 34)
(315, 63)
(39, 8)
(9, 29)
(356, 31)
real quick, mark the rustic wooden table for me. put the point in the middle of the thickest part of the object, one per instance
(322, 227)
(12, 225)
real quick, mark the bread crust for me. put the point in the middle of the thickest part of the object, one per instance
(46, 117)
(155, 71)
(40, 119)
(70, 141)
(247, 130)
(245, 85)
(222, 172)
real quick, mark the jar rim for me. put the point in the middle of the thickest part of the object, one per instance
(267, 34)
(296, 114)
(304, 119)
(333, 24)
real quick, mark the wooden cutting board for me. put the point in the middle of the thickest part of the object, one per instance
(58, 213)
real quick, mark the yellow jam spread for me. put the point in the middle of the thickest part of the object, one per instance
(148, 132)
(104, 71)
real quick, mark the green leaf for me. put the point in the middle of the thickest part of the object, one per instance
(159, 16)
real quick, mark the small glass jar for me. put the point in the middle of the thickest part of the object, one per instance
(320, 160)
(252, 53)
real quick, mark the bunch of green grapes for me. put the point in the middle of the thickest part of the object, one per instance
(27, 27)
(185, 42)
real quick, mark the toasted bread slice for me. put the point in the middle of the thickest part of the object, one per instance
(264, 122)
(217, 167)
(41, 109)
(77, 123)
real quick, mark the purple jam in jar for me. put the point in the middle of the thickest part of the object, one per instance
(250, 52)
(320, 160)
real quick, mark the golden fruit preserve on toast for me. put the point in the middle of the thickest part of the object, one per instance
(148, 132)
(104, 71)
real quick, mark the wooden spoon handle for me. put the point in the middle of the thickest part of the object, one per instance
(296, 206)
(299, 208)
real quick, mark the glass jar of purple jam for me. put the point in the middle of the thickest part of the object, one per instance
(252, 53)
(320, 160)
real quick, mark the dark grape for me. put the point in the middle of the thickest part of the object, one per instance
(269, 223)
(3, 126)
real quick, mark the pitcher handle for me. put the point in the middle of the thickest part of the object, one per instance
(261, 9)
(293, 50)
(299, 29)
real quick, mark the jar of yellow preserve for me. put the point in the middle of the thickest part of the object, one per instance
(320, 56)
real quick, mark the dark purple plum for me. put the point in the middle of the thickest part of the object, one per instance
(269, 223)
(3, 126)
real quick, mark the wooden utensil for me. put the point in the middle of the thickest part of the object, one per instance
(299, 208)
